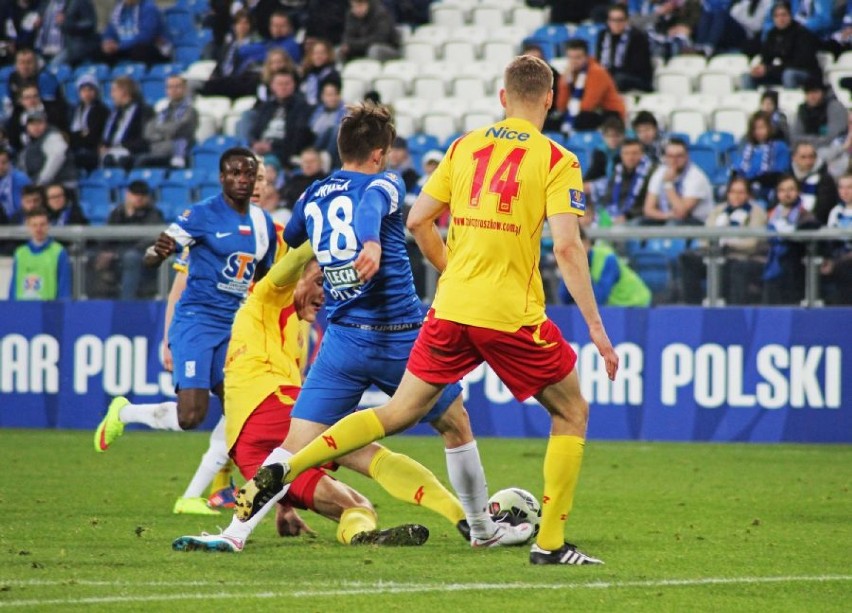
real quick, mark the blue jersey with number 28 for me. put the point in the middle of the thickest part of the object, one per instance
(324, 215)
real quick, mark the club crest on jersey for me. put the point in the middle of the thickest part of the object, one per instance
(577, 199)
(238, 272)
(33, 283)
(185, 215)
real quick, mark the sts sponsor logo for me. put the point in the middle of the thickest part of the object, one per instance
(577, 199)
(238, 273)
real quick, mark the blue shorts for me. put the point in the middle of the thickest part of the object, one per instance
(349, 362)
(198, 350)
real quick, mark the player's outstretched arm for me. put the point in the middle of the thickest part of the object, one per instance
(574, 265)
(289, 268)
(421, 224)
(159, 251)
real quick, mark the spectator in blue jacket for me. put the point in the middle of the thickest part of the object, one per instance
(12, 182)
(763, 157)
(136, 32)
(68, 31)
(816, 16)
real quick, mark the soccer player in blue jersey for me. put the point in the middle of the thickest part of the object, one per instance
(354, 218)
(231, 242)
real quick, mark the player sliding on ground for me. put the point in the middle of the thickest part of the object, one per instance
(263, 376)
(373, 325)
(500, 183)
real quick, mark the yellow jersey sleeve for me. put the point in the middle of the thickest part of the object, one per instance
(564, 188)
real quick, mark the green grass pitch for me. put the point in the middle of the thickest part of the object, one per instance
(682, 527)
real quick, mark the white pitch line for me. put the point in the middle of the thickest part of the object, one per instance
(391, 588)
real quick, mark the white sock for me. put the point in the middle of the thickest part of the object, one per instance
(241, 530)
(162, 416)
(213, 459)
(468, 480)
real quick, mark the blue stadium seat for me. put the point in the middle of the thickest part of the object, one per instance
(589, 33)
(153, 89)
(208, 190)
(421, 143)
(548, 48)
(134, 70)
(205, 159)
(723, 142)
(154, 177)
(591, 139)
(101, 71)
(63, 72)
(681, 135)
(69, 88)
(653, 267)
(191, 177)
(450, 140)
(5, 71)
(4, 89)
(556, 34)
(556, 137)
(187, 54)
(180, 24)
(220, 142)
(161, 71)
(175, 197)
(114, 178)
(670, 248)
(96, 213)
(707, 159)
(96, 193)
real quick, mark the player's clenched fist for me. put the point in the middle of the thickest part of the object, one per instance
(367, 262)
(164, 246)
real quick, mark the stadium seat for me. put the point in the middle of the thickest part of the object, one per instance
(214, 106)
(789, 100)
(589, 33)
(429, 33)
(671, 248)
(199, 70)
(241, 105)
(687, 64)
(405, 124)
(96, 193)
(459, 51)
(440, 125)
(721, 142)
(733, 120)
(684, 136)
(134, 70)
(556, 137)
(451, 106)
(62, 72)
(180, 24)
(362, 68)
(205, 159)
(469, 88)
(152, 176)
(448, 142)
(844, 60)
(688, 121)
(707, 160)
(477, 119)
(429, 88)
(191, 177)
(488, 104)
(673, 83)
(220, 143)
(528, 18)
(413, 107)
(69, 89)
(209, 189)
(390, 88)
(716, 83)
(113, 177)
(161, 71)
(5, 71)
(401, 69)
(584, 156)
(548, 49)
(421, 143)
(735, 64)
(699, 102)
(96, 212)
(153, 89)
(354, 89)
(187, 54)
(591, 139)
(174, 198)
(447, 16)
(747, 100)
(420, 52)
(499, 52)
(653, 267)
(555, 34)
(488, 16)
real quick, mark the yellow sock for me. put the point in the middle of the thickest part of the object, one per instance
(354, 521)
(222, 478)
(350, 433)
(411, 482)
(562, 463)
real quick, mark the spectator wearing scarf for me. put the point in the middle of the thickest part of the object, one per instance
(837, 267)
(762, 158)
(820, 118)
(68, 32)
(624, 191)
(318, 68)
(171, 133)
(136, 32)
(743, 267)
(625, 52)
(60, 210)
(816, 16)
(123, 134)
(678, 192)
(816, 187)
(586, 93)
(784, 272)
(88, 120)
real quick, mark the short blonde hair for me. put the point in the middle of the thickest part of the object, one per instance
(528, 78)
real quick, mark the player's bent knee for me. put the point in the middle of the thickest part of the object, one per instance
(191, 417)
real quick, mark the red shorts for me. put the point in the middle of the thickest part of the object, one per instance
(264, 430)
(527, 360)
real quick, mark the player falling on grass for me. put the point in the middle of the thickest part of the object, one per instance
(499, 183)
(229, 241)
(263, 376)
(372, 325)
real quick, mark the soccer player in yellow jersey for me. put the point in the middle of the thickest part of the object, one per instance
(500, 183)
(263, 377)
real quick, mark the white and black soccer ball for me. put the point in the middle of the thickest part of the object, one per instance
(516, 506)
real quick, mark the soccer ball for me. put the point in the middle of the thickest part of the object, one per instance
(515, 506)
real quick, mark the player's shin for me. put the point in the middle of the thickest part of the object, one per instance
(562, 463)
(409, 481)
(350, 433)
(354, 521)
(468, 479)
(159, 416)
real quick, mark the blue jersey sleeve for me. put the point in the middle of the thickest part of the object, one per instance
(269, 259)
(188, 228)
(296, 233)
(382, 197)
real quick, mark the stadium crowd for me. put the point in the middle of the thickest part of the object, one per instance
(724, 113)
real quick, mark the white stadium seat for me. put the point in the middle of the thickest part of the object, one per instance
(488, 104)
(447, 16)
(459, 51)
(743, 99)
(413, 107)
(718, 83)
(200, 70)
(733, 120)
(214, 106)
(789, 100)
(243, 104)
(429, 88)
(687, 121)
(469, 88)
(732, 63)
(208, 126)
(455, 107)
(390, 88)
(483, 70)
(430, 33)
(478, 119)
(354, 89)
(529, 18)
(473, 34)
(362, 68)
(844, 60)
(675, 83)
(689, 64)
(229, 126)
(499, 52)
(402, 69)
(488, 16)
(706, 103)
(405, 125)
(420, 51)
(440, 125)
